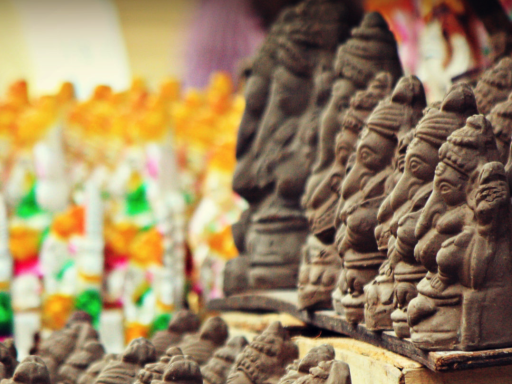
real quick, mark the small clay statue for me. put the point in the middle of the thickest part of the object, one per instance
(31, 370)
(183, 322)
(395, 285)
(217, 369)
(155, 371)
(494, 86)
(313, 358)
(462, 304)
(265, 359)
(201, 346)
(79, 361)
(90, 375)
(276, 142)
(333, 371)
(501, 120)
(181, 370)
(124, 371)
(365, 187)
(321, 263)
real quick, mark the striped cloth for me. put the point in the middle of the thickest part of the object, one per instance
(223, 33)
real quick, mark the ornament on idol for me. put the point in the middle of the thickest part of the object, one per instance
(6, 272)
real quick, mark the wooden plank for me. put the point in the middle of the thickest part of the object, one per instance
(285, 301)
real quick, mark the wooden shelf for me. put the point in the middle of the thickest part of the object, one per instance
(285, 301)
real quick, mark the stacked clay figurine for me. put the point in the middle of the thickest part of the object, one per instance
(217, 369)
(301, 368)
(389, 294)
(265, 359)
(321, 263)
(201, 346)
(183, 322)
(276, 140)
(355, 66)
(124, 371)
(463, 304)
(365, 187)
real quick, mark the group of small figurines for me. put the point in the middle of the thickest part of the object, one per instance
(185, 353)
(392, 212)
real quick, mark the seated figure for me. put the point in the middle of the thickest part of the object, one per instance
(463, 305)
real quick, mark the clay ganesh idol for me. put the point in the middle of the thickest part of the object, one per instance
(364, 188)
(372, 48)
(276, 143)
(321, 264)
(464, 303)
(388, 296)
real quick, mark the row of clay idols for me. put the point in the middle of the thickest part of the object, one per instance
(365, 207)
(369, 176)
(199, 358)
(422, 213)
